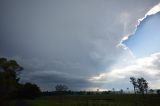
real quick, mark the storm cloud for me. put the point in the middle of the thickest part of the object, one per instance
(67, 41)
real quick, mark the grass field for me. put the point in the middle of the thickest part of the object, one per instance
(108, 100)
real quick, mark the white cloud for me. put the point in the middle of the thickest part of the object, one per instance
(154, 84)
(147, 67)
(152, 11)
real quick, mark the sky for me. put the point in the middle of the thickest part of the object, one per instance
(84, 44)
(145, 40)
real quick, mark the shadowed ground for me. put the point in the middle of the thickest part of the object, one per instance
(21, 103)
(97, 100)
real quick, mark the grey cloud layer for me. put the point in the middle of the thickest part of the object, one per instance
(66, 41)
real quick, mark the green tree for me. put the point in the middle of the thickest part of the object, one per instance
(9, 72)
(10, 67)
(139, 84)
(142, 85)
(28, 91)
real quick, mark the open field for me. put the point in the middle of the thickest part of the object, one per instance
(97, 100)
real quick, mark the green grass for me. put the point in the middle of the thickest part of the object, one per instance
(108, 100)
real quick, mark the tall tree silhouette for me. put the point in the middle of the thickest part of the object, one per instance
(139, 84)
(9, 71)
(142, 85)
(134, 82)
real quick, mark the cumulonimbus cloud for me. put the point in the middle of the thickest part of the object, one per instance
(152, 11)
